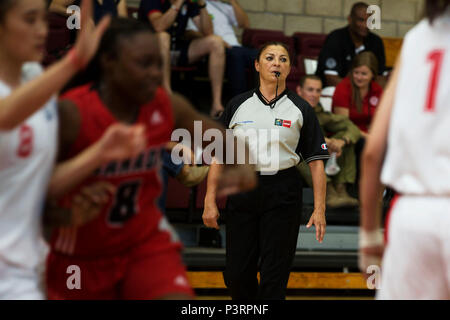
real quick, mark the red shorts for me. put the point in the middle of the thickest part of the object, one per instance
(151, 270)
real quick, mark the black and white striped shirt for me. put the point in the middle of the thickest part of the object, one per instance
(286, 133)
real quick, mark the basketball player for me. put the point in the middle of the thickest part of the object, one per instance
(409, 134)
(28, 138)
(129, 250)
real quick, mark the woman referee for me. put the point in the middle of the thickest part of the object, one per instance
(263, 224)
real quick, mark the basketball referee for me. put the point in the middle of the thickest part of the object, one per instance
(263, 224)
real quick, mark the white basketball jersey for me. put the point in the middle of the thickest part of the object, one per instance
(418, 154)
(27, 156)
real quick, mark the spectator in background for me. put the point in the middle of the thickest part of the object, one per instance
(225, 16)
(116, 8)
(169, 18)
(358, 95)
(343, 136)
(342, 45)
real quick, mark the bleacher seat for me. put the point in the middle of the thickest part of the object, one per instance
(177, 195)
(309, 44)
(248, 34)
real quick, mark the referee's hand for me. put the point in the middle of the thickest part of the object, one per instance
(211, 214)
(318, 220)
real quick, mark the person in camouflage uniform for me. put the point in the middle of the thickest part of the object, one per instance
(341, 135)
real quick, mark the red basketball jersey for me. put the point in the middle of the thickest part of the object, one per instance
(132, 215)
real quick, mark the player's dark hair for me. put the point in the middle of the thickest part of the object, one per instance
(119, 28)
(357, 6)
(308, 76)
(368, 59)
(434, 8)
(273, 43)
(5, 6)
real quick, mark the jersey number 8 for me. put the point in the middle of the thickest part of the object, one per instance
(124, 206)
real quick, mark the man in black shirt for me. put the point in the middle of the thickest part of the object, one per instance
(343, 44)
(169, 18)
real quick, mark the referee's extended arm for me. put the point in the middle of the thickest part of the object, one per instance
(319, 186)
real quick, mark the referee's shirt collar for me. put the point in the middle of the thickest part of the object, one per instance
(261, 97)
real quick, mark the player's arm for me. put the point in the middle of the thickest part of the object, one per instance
(60, 6)
(85, 206)
(28, 98)
(319, 188)
(117, 143)
(371, 238)
(373, 156)
(122, 9)
(236, 177)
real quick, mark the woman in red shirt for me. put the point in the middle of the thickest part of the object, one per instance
(357, 95)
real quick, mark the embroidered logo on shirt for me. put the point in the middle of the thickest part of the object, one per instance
(324, 146)
(331, 63)
(373, 100)
(156, 118)
(283, 123)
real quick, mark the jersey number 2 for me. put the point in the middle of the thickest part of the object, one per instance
(125, 203)
(436, 58)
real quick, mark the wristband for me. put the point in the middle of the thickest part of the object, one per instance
(75, 59)
(370, 238)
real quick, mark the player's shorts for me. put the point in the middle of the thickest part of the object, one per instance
(416, 263)
(19, 283)
(151, 270)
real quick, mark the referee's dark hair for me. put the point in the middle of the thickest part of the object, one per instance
(273, 43)
(434, 8)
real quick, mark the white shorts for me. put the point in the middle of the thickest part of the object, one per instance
(20, 284)
(416, 262)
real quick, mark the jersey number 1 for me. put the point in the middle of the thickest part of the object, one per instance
(435, 57)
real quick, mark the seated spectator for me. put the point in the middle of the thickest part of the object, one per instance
(101, 7)
(357, 95)
(343, 44)
(225, 16)
(342, 136)
(169, 18)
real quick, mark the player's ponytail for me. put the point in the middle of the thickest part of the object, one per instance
(435, 8)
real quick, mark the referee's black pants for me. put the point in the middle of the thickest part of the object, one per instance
(261, 229)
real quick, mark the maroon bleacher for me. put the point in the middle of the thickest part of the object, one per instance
(177, 195)
(248, 34)
(309, 44)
